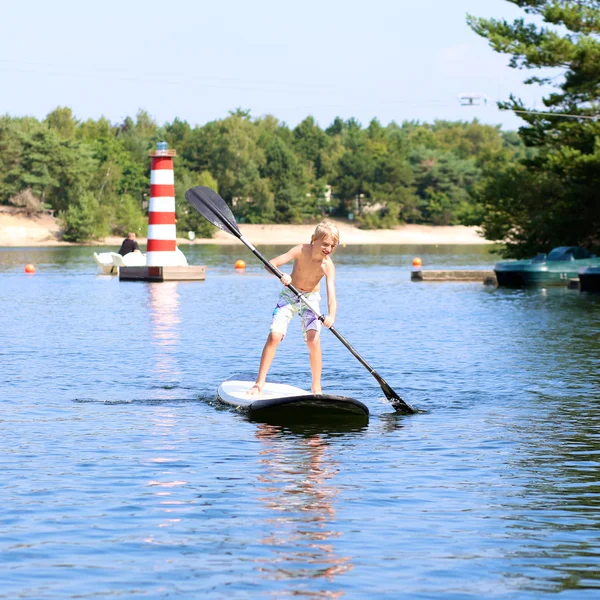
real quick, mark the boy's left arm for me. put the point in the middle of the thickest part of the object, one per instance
(331, 297)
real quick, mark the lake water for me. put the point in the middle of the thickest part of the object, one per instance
(121, 477)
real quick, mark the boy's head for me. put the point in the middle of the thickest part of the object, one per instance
(324, 229)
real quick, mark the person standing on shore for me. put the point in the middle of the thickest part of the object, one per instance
(311, 262)
(129, 244)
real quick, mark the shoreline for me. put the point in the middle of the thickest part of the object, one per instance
(43, 231)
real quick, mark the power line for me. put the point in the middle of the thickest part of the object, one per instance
(553, 114)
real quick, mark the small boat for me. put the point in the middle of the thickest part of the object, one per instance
(108, 263)
(589, 279)
(555, 268)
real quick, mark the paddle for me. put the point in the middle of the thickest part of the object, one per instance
(215, 210)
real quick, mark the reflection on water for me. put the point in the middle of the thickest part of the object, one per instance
(298, 481)
(166, 486)
(163, 300)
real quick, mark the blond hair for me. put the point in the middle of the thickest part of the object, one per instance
(325, 228)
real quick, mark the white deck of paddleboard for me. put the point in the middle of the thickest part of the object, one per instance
(236, 392)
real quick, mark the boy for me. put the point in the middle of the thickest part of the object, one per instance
(311, 262)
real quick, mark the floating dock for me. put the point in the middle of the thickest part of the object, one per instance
(481, 276)
(162, 273)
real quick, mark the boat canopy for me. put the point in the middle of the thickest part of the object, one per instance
(569, 253)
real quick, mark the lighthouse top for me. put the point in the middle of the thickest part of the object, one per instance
(161, 150)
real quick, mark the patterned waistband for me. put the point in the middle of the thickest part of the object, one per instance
(287, 293)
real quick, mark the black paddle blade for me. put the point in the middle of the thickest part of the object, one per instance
(397, 402)
(213, 208)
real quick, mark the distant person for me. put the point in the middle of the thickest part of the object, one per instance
(312, 262)
(129, 245)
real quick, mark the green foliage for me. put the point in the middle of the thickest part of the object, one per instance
(311, 145)
(189, 219)
(96, 174)
(443, 183)
(381, 220)
(35, 157)
(61, 120)
(229, 150)
(550, 198)
(83, 219)
(285, 176)
(127, 216)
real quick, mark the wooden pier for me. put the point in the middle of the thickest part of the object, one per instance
(162, 273)
(481, 276)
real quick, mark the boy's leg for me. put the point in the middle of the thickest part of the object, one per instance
(268, 354)
(311, 327)
(282, 315)
(313, 341)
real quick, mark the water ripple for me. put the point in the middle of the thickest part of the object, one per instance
(123, 477)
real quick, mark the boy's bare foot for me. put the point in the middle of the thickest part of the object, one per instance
(317, 390)
(255, 390)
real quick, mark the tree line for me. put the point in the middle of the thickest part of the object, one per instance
(95, 174)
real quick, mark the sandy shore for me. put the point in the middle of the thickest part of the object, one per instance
(18, 230)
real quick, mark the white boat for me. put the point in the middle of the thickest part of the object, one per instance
(108, 263)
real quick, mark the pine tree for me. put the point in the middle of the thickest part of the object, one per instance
(557, 200)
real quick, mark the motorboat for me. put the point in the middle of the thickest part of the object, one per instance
(108, 263)
(554, 268)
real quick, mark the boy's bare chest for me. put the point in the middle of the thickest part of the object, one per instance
(308, 270)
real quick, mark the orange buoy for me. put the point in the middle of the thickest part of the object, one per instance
(240, 264)
(417, 262)
(29, 269)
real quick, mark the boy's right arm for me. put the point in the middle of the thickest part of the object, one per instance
(282, 259)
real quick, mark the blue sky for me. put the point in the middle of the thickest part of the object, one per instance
(196, 60)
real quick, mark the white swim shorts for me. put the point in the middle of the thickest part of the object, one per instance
(289, 305)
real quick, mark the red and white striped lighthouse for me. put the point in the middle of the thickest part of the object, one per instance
(161, 250)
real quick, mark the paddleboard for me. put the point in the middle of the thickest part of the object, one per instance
(287, 400)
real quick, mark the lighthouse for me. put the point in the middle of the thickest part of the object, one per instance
(164, 260)
(162, 248)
